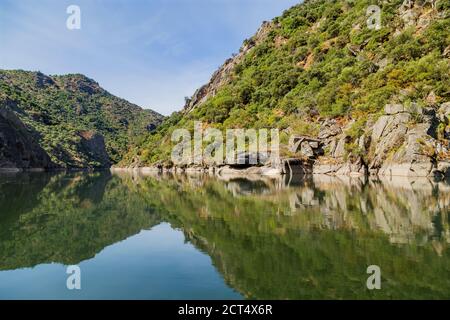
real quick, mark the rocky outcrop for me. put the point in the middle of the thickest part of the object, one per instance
(308, 147)
(18, 148)
(93, 144)
(223, 75)
(417, 13)
(287, 166)
(350, 168)
(408, 141)
(404, 141)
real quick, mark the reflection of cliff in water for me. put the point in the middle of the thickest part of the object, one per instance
(316, 239)
(408, 211)
(271, 238)
(65, 218)
(404, 208)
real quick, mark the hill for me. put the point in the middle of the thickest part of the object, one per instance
(76, 122)
(319, 69)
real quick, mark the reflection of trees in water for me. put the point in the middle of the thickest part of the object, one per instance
(65, 218)
(407, 210)
(319, 244)
(270, 238)
(18, 194)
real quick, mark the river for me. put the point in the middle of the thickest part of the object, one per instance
(137, 236)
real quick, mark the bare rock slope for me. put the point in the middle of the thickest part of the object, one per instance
(18, 149)
(405, 141)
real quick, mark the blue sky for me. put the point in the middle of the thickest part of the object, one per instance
(150, 52)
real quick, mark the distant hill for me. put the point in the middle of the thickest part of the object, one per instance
(76, 122)
(318, 66)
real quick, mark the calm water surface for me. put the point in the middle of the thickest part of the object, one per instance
(137, 236)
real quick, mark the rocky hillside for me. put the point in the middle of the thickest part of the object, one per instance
(374, 99)
(65, 121)
(17, 146)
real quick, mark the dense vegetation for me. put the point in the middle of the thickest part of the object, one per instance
(320, 60)
(57, 108)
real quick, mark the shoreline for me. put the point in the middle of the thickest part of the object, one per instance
(286, 169)
(281, 180)
(401, 171)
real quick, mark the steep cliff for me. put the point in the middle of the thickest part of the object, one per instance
(18, 149)
(404, 141)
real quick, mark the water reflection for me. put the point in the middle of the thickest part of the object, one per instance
(64, 218)
(270, 238)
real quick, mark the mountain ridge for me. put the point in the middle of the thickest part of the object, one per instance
(77, 122)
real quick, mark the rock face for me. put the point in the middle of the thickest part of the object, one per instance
(94, 144)
(308, 147)
(18, 149)
(290, 166)
(405, 141)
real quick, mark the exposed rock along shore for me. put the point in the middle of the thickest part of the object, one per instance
(404, 141)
